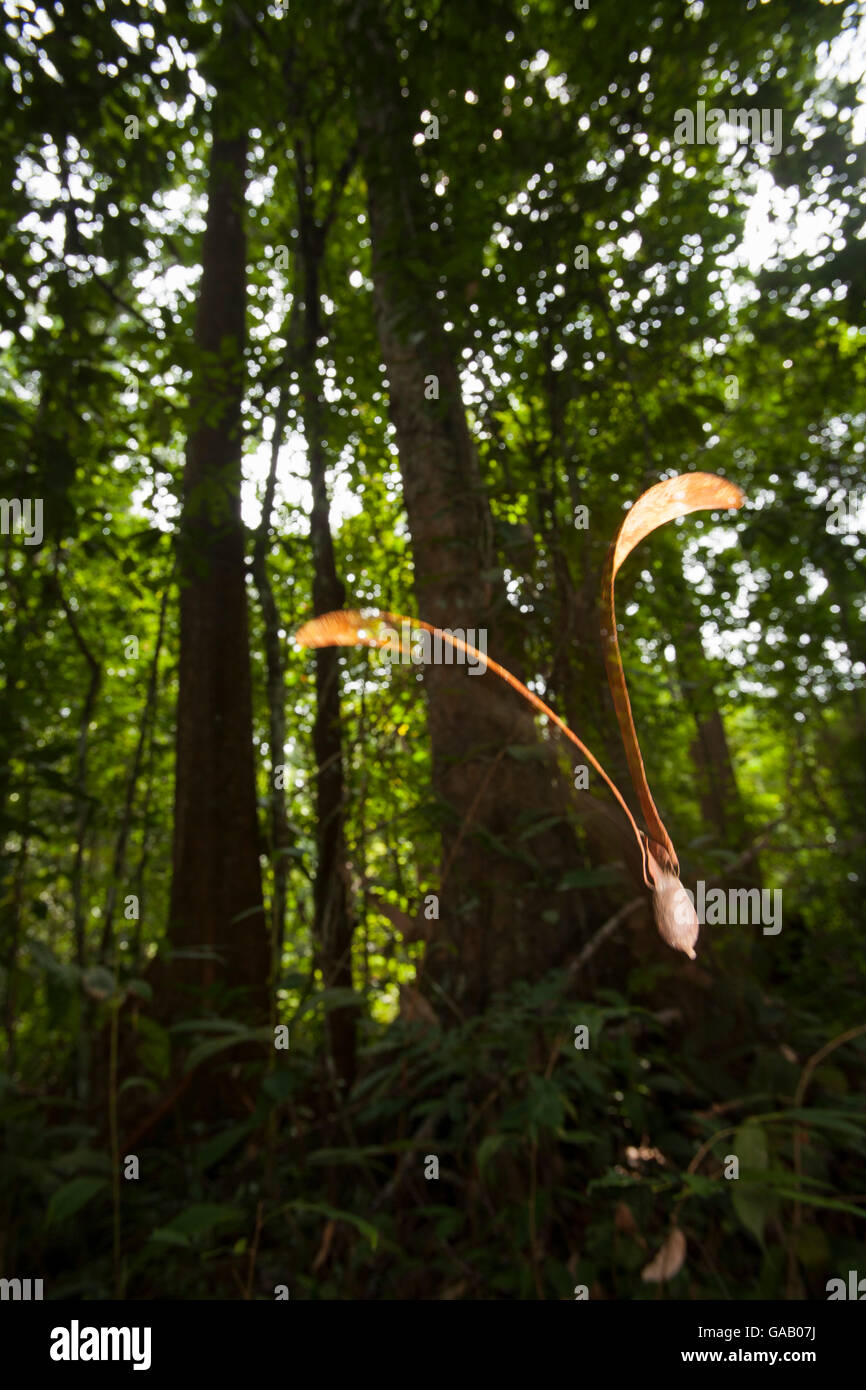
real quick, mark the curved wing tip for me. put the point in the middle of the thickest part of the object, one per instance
(346, 627)
(729, 495)
(739, 497)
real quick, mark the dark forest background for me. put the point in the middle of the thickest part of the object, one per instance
(293, 944)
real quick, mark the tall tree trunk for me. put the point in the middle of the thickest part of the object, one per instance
(216, 893)
(718, 793)
(116, 883)
(84, 812)
(275, 664)
(500, 918)
(717, 785)
(11, 937)
(333, 923)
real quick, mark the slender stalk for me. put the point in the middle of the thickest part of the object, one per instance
(354, 629)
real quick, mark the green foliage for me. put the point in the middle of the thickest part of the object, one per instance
(71, 1197)
(548, 1175)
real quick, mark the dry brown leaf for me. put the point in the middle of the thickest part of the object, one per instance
(668, 1261)
(324, 1248)
(454, 1291)
(644, 1153)
(623, 1220)
(414, 1008)
(400, 920)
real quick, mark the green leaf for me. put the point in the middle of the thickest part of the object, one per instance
(545, 1104)
(203, 1216)
(358, 1155)
(812, 1246)
(753, 1203)
(366, 1228)
(211, 1046)
(615, 1179)
(279, 1084)
(210, 1025)
(99, 982)
(336, 998)
(813, 1200)
(700, 1184)
(79, 1159)
(140, 988)
(487, 1148)
(537, 826)
(154, 1047)
(448, 1222)
(526, 754)
(753, 1207)
(71, 1197)
(750, 1146)
(221, 1144)
(132, 1082)
(163, 1235)
(843, 1121)
(578, 1136)
(247, 912)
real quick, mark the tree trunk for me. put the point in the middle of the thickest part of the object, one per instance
(117, 882)
(501, 918)
(718, 793)
(281, 839)
(83, 816)
(216, 894)
(333, 924)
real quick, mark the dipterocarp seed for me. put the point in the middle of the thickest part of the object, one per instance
(668, 1261)
(675, 915)
(673, 910)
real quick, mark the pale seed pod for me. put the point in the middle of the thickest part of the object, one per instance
(675, 915)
